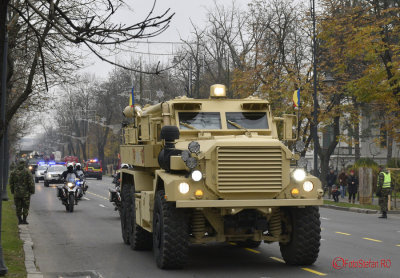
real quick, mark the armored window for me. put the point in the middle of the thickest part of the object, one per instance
(248, 120)
(199, 120)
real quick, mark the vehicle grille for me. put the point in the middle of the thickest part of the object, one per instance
(249, 169)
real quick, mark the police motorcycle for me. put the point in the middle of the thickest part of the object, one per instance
(82, 181)
(69, 192)
(115, 193)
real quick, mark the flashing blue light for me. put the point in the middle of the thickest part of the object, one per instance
(52, 163)
(42, 163)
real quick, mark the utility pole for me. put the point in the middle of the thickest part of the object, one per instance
(315, 98)
(3, 143)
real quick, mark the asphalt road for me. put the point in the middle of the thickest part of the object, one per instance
(88, 243)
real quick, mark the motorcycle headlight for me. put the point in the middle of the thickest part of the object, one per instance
(299, 174)
(183, 187)
(196, 175)
(308, 186)
(70, 185)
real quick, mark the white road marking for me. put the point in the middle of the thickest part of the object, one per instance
(103, 206)
(324, 218)
(87, 199)
(322, 239)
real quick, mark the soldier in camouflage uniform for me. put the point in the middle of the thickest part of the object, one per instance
(384, 190)
(22, 187)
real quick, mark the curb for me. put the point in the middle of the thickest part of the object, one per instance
(359, 210)
(30, 266)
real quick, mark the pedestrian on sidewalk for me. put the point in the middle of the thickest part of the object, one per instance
(343, 183)
(22, 187)
(330, 181)
(335, 193)
(352, 183)
(383, 190)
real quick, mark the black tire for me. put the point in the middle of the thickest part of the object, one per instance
(67, 208)
(125, 213)
(303, 247)
(36, 180)
(71, 202)
(139, 238)
(248, 243)
(46, 184)
(170, 234)
(169, 133)
(99, 178)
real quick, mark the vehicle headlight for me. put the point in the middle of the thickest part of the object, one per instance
(194, 147)
(70, 185)
(185, 155)
(30, 167)
(191, 163)
(48, 176)
(196, 175)
(183, 187)
(308, 186)
(299, 174)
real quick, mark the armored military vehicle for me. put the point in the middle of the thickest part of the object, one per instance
(215, 170)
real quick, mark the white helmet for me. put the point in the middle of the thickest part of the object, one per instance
(124, 165)
(70, 165)
(78, 164)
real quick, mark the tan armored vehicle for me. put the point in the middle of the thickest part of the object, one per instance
(215, 170)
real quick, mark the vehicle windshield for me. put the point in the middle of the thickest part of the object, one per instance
(33, 161)
(199, 120)
(42, 167)
(57, 168)
(247, 120)
(94, 165)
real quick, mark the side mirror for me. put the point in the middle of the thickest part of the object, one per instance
(289, 122)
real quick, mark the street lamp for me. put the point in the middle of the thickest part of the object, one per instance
(329, 80)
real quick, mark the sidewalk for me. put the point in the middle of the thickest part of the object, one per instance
(344, 204)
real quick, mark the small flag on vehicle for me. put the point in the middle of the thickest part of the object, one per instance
(296, 98)
(132, 98)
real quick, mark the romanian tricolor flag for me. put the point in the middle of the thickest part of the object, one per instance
(296, 98)
(132, 98)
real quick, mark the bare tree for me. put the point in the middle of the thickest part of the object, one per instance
(46, 34)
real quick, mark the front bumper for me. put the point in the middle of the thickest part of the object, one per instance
(53, 181)
(93, 174)
(248, 203)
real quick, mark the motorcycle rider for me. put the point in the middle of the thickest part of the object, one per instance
(117, 177)
(69, 172)
(78, 170)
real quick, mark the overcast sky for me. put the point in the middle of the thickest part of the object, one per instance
(180, 27)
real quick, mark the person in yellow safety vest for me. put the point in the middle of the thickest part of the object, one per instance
(383, 190)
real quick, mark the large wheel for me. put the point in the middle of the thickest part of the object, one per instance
(248, 243)
(140, 239)
(125, 213)
(71, 202)
(170, 233)
(305, 236)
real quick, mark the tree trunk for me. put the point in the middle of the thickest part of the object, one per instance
(357, 149)
(389, 147)
(324, 168)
